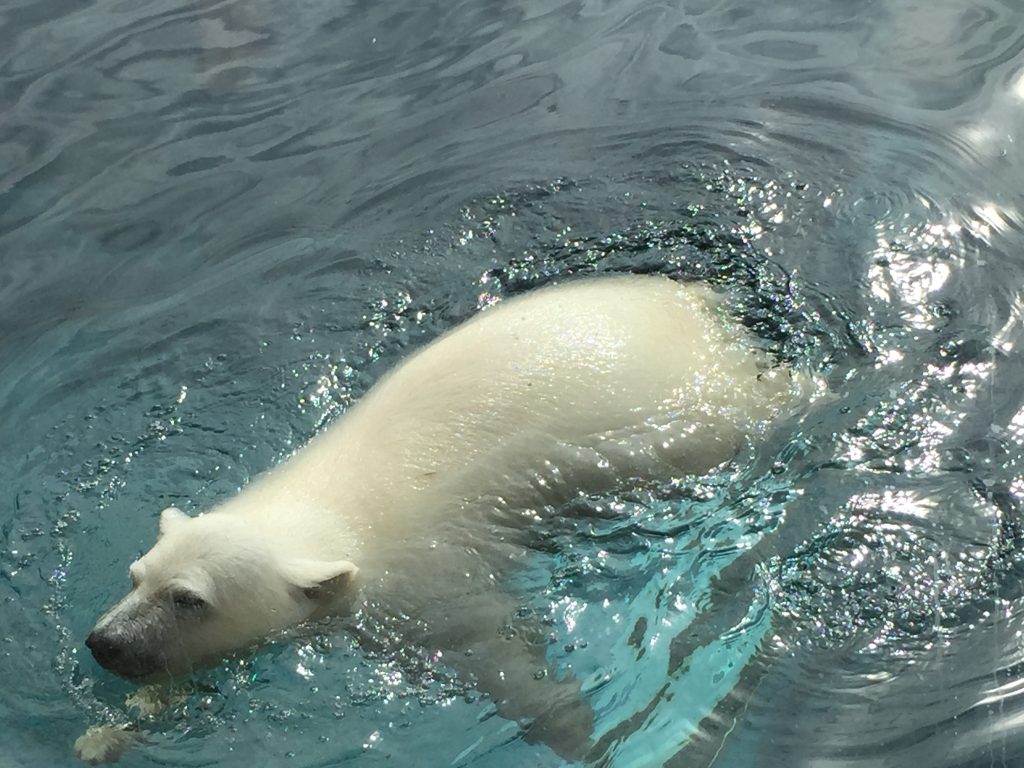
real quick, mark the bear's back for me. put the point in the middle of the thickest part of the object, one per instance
(591, 380)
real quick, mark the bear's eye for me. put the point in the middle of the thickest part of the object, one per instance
(187, 600)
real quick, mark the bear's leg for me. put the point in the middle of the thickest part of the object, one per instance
(506, 657)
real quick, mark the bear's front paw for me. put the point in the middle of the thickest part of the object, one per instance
(104, 743)
(153, 700)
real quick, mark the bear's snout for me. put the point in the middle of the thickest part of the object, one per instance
(113, 653)
(105, 649)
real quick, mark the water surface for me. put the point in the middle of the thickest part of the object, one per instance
(220, 222)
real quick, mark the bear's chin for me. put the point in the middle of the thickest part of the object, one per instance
(147, 669)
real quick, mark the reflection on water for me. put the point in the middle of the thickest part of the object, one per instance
(220, 223)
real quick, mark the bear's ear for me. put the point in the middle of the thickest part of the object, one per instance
(169, 518)
(318, 579)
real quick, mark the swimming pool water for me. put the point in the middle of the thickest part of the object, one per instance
(221, 222)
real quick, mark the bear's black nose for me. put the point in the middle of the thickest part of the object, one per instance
(104, 648)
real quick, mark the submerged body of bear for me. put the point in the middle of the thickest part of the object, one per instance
(421, 486)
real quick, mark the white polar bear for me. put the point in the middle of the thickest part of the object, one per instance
(420, 487)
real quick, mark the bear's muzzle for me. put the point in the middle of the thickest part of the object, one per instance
(115, 653)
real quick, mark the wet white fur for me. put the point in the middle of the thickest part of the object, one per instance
(572, 387)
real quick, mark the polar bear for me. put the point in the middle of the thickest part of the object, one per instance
(415, 495)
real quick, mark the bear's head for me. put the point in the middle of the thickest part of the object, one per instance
(210, 585)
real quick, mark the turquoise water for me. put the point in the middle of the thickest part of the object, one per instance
(221, 222)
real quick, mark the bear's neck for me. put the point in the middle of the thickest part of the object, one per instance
(301, 515)
(350, 488)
